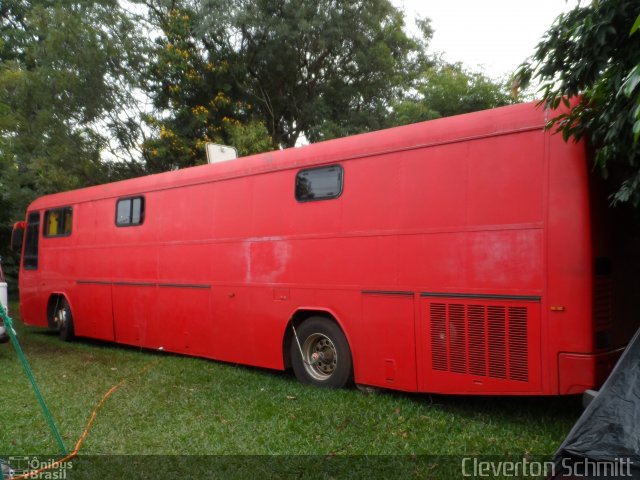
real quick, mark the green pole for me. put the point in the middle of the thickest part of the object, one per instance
(8, 323)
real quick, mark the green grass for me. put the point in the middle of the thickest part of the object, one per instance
(191, 406)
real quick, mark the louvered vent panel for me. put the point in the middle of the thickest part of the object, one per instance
(518, 344)
(602, 303)
(477, 340)
(438, 313)
(497, 342)
(457, 338)
(482, 340)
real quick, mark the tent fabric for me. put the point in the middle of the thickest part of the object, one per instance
(609, 428)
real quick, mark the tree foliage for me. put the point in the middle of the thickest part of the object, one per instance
(592, 54)
(275, 70)
(64, 67)
(322, 68)
(195, 97)
(444, 89)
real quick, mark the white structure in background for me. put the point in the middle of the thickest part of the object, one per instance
(3, 295)
(3, 291)
(220, 153)
(3, 300)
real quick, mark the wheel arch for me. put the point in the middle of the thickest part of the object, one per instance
(52, 303)
(298, 317)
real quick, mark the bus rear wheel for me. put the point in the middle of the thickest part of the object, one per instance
(320, 354)
(63, 321)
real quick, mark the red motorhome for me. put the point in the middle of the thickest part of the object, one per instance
(464, 255)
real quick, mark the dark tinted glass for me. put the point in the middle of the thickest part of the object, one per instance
(319, 183)
(30, 260)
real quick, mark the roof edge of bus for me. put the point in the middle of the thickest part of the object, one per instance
(501, 120)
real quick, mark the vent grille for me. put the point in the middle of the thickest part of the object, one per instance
(481, 340)
(603, 311)
(477, 340)
(602, 303)
(457, 339)
(518, 344)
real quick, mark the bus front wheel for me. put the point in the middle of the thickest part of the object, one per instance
(320, 354)
(64, 322)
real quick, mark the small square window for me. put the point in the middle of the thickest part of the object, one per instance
(130, 212)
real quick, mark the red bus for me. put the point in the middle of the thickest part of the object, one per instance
(464, 255)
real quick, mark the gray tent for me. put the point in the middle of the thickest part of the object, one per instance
(605, 441)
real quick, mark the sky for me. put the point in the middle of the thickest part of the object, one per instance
(492, 35)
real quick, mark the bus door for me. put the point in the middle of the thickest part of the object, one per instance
(92, 301)
(33, 308)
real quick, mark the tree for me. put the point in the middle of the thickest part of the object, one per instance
(444, 89)
(65, 70)
(591, 58)
(324, 68)
(62, 70)
(279, 69)
(195, 97)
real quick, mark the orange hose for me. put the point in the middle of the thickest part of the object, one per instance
(83, 437)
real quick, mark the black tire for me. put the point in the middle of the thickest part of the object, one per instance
(327, 357)
(64, 321)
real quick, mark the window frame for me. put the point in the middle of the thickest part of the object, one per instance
(45, 221)
(321, 167)
(142, 211)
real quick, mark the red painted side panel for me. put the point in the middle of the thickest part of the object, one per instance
(183, 323)
(506, 180)
(33, 303)
(257, 341)
(570, 259)
(92, 306)
(387, 323)
(134, 309)
(579, 372)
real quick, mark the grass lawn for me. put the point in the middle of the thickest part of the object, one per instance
(189, 406)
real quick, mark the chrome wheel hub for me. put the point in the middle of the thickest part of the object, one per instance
(60, 318)
(320, 356)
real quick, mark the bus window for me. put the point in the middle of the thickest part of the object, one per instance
(319, 183)
(57, 222)
(130, 211)
(30, 259)
(51, 221)
(67, 221)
